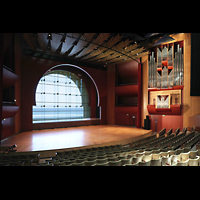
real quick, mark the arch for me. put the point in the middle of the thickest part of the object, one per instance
(98, 97)
(65, 67)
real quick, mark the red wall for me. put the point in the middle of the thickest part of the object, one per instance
(128, 94)
(8, 127)
(33, 68)
(124, 116)
(128, 72)
(167, 121)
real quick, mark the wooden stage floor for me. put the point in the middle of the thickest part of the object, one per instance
(73, 137)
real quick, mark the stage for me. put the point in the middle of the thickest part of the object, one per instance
(48, 142)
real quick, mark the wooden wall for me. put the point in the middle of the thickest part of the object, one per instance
(144, 98)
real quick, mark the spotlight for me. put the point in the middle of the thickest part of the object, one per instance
(49, 37)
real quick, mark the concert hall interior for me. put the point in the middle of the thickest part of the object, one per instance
(114, 91)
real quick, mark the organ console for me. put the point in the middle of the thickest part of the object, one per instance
(164, 100)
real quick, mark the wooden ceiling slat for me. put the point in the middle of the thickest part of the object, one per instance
(95, 52)
(87, 50)
(113, 41)
(104, 55)
(88, 46)
(130, 48)
(55, 42)
(81, 43)
(101, 38)
(132, 53)
(122, 45)
(112, 56)
(68, 43)
(75, 35)
(43, 41)
(119, 58)
(88, 36)
(142, 54)
(99, 48)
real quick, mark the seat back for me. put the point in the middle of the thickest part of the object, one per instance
(193, 154)
(166, 161)
(103, 160)
(185, 156)
(148, 163)
(136, 159)
(193, 162)
(147, 158)
(176, 158)
(183, 163)
(126, 161)
(115, 163)
(156, 162)
(90, 163)
(156, 156)
(164, 154)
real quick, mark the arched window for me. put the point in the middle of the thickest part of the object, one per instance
(60, 96)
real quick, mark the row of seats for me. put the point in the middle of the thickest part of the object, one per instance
(141, 152)
(172, 141)
(133, 158)
(19, 159)
(168, 159)
(159, 149)
(158, 136)
(6, 149)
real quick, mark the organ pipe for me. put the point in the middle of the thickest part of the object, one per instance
(167, 70)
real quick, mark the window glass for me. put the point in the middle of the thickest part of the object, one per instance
(60, 96)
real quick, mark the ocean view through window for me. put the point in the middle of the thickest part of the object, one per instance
(60, 96)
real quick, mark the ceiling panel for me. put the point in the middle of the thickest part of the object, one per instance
(93, 48)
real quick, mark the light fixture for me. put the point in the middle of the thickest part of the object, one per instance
(151, 34)
(49, 37)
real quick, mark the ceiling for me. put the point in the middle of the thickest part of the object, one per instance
(93, 49)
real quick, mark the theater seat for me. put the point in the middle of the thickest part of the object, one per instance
(185, 156)
(193, 162)
(183, 163)
(115, 163)
(156, 162)
(148, 163)
(166, 161)
(193, 154)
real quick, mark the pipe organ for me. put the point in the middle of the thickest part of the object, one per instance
(165, 79)
(165, 68)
